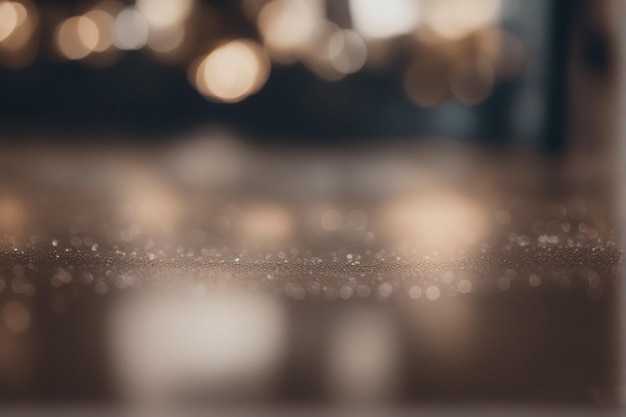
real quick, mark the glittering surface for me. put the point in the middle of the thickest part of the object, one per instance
(461, 247)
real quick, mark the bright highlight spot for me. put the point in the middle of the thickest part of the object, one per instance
(164, 13)
(384, 19)
(287, 26)
(9, 19)
(233, 71)
(455, 19)
(131, 29)
(105, 24)
(77, 37)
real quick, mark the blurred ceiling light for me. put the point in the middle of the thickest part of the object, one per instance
(167, 40)
(105, 23)
(455, 19)
(471, 83)
(18, 24)
(286, 27)
(131, 29)
(232, 71)
(348, 52)
(335, 52)
(9, 18)
(77, 37)
(384, 19)
(318, 57)
(165, 13)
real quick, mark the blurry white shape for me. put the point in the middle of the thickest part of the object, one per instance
(106, 29)
(363, 358)
(77, 37)
(384, 18)
(167, 40)
(131, 29)
(164, 13)
(222, 343)
(286, 26)
(348, 52)
(439, 219)
(9, 19)
(455, 19)
(233, 71)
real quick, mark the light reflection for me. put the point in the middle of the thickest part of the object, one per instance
(384, 19)
(440, 220)
(232, 71)
(364, 363)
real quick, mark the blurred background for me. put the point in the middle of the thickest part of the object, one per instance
(316, 206)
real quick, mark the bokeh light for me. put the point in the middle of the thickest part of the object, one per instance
(164, 13)
(77, 37)
(10, 17)
(455, 19)
(384, 19)
(105, 24)
(131, 29)
(439, 220)
(18, 26)
(287, 26)
(232, 71)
